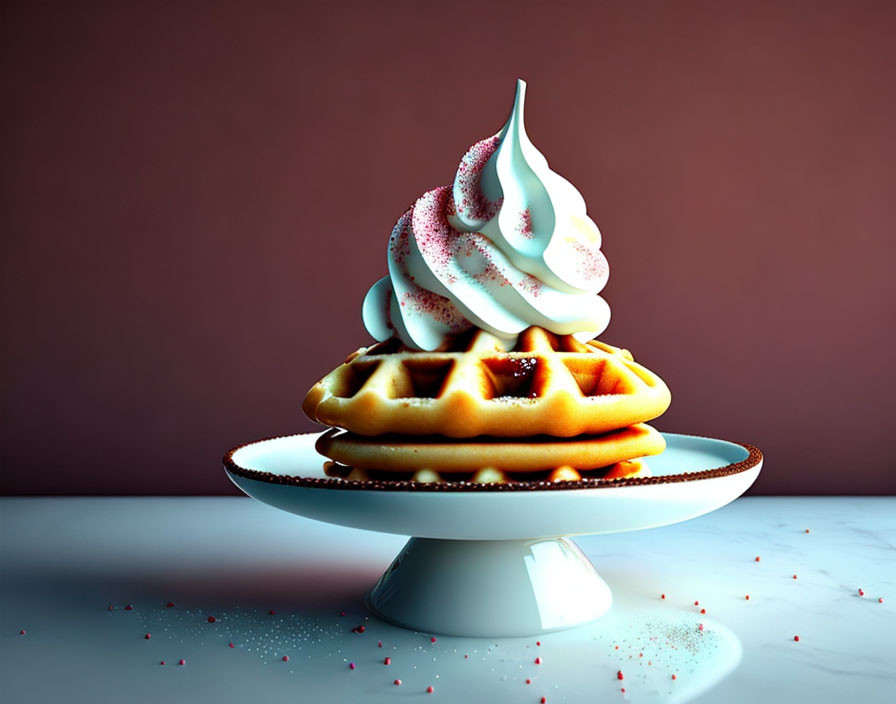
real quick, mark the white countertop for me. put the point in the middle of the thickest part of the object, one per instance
(65, 561)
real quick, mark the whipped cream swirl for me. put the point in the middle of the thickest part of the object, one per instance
(507, 246)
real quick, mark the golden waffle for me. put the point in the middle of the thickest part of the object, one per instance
(546, 385)
(447, 456)
(619, 470)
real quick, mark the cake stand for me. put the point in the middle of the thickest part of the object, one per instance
(495, 559)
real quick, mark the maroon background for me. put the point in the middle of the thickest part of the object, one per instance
(196, 197)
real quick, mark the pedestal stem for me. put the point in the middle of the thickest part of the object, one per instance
(490, 587)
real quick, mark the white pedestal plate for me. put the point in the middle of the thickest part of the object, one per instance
(495, 560)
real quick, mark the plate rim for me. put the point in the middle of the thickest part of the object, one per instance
(753, 459)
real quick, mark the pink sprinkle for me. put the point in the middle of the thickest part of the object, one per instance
(230, 645)
(387, 661)
(397, 682)
(430, 689)
(128, 607)
(181, 662)
(351, 666)
(861, 593)
(619, 675)
(148, 636)
(674, 677)
(538, 661)
(700, 627)
(162, 662)
(272, 612)
(169, 604)
(796, 638)
(285, 658)
(379, 644)
(431, 640)
(22, 632)
(212, 619)
(342, 613)
(466, 656)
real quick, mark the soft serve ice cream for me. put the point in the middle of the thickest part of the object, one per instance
(507, 246)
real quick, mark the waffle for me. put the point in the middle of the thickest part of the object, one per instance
(546, 385)
(448, 456)
(490, 475)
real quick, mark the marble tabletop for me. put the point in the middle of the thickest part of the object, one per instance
(265, 606)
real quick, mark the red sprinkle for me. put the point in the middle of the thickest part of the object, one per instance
(796, 638)
(22, 632)
(794, 576)
(702, 611)
(466, 656)
(351, 666)
(619, 675)
(880, 601)
(212, 619)
(861, 593)
(379, 644)
(169, 604)
(162, 662)
(342, 613)
(431, 640)
(430, 689)
(543, 700)
(181, 662)
(272, 612)
(696, 603)
(397, 682)
(528, 681)
(662, 596)
(128, 607)
(538, 661)
(358, 629)
(111, 608)
(807, 530)
(757, 558)
(747, 597)
(387, 661)
(674, 677)
(617, 647)
(622, 690)
(230, 645)
(538, 642)
(285, 658)
(148, 636)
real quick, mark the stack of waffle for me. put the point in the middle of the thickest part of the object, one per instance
(552, 408)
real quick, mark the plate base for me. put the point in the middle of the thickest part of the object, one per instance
(487, 588)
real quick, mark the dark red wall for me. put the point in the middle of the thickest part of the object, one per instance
(196, 197)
